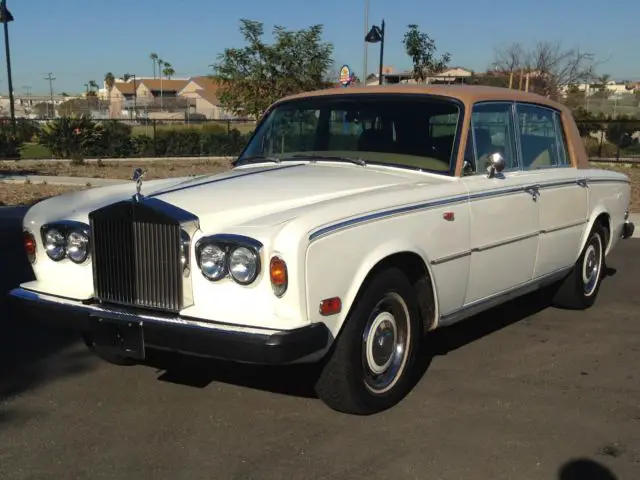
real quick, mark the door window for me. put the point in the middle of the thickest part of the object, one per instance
(540, 137)
(493, 132)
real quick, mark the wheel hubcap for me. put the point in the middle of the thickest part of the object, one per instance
(385, 342)
(591, 266)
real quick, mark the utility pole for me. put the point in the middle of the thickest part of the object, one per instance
(51, 78)
(27, 90)
(6, 18)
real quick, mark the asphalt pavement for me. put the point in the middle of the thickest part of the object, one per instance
(521, 392)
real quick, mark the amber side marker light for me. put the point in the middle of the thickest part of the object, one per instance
(29, 242)
(330, 306)
(278, 275)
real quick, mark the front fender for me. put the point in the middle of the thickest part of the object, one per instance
(337, 266)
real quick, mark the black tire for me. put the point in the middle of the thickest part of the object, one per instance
(580, 289)
(113, 359)
(347, 383)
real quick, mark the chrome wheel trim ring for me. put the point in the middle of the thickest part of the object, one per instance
(592, 265)
(385, 343)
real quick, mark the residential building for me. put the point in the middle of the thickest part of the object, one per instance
(204, 91)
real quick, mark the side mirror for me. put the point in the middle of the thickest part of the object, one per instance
(495, 164)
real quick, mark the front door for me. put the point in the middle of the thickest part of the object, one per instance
(504, 211)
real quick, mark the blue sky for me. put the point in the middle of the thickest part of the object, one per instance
(79, 40)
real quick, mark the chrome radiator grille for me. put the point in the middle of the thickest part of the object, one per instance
(136, 257)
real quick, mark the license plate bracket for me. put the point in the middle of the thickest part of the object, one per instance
(118, 337)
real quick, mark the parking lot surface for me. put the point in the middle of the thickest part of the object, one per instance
(519, 392)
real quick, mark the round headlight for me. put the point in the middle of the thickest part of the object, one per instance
(77, 246)
(54, 244)
(243, 265)
(212, 262)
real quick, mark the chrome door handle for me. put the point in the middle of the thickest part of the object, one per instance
(533, 190)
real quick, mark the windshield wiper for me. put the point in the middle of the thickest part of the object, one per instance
(357, 161)
(260, 157)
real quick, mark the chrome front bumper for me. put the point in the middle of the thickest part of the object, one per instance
(144, 330)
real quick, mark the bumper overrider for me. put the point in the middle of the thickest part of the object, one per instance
(627, 229)
(130, 332)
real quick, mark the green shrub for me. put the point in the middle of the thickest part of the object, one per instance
(70, 137)
(9, 145)
(115, 141)
(26, 130)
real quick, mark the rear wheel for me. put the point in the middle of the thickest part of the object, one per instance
(580, 289)
(371, 366)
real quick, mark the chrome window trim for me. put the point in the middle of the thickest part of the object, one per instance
(473, 134)
(554, 113)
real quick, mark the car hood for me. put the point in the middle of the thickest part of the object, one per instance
(244, 195)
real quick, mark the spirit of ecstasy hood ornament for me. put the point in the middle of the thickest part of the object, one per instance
(138, 174)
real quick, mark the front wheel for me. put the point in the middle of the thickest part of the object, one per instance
(580, 289)
(371, 366)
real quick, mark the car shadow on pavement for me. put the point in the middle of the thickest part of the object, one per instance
(299, 380)
(585, 469)
(27, 350)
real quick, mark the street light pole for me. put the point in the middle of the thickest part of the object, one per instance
(375, 35)
(366, 45)
(6, 18)
(381, 54)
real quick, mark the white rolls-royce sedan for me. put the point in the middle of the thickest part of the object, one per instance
(354, 222)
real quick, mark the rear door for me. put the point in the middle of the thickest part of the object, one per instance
(562, 198)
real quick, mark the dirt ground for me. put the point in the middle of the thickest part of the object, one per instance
(117, 170)
(25, 194)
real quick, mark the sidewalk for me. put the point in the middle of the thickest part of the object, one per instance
(635, 218)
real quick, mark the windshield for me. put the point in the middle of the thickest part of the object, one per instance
(399, 130)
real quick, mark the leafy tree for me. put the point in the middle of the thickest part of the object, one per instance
(253, 77)
(620, 133)
(422, 50)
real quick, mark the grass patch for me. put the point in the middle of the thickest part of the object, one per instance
(35, 150)
(15, 194)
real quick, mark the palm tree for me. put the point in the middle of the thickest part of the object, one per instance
(93, 85)
(168, 71)
(126, 77)
(109, 82)
(154, 59)
(160, 63)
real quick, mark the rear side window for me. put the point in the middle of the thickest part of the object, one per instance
(541, 138)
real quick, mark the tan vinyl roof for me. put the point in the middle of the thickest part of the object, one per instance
(468, 94)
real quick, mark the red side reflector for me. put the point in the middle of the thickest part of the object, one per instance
(330, 306)
(449, 216)
(29, 245)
